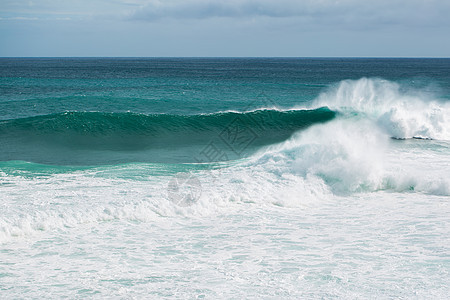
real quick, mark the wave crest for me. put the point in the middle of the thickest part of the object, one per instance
(400, 111)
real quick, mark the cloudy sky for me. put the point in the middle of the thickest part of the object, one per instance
(343, 28)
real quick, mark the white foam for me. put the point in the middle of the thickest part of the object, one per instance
(355, 156)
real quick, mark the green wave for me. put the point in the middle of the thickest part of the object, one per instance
(39, 138)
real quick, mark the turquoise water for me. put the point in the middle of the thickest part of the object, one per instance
(224, 178)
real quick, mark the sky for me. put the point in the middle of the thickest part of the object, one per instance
(233, 28)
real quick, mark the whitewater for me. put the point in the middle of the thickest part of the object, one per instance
(343, 195)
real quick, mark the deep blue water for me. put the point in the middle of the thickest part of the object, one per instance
(191, 86)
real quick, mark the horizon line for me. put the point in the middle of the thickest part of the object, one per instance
(299, 57)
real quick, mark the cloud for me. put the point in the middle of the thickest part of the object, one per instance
(201, 9)
(76, 10)
(345, 13)
(224, 28)
(350, 12)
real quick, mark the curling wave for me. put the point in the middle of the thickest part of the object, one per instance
(56, 138)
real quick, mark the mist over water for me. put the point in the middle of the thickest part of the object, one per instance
(178, 180)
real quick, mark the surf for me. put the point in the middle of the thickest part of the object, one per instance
(325, 154)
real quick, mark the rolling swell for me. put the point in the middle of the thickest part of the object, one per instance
(91, 138)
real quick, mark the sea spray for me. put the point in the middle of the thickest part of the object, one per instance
(402, 112)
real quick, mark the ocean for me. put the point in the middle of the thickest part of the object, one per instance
(225, 178)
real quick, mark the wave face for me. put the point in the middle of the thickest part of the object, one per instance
(42, 139)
